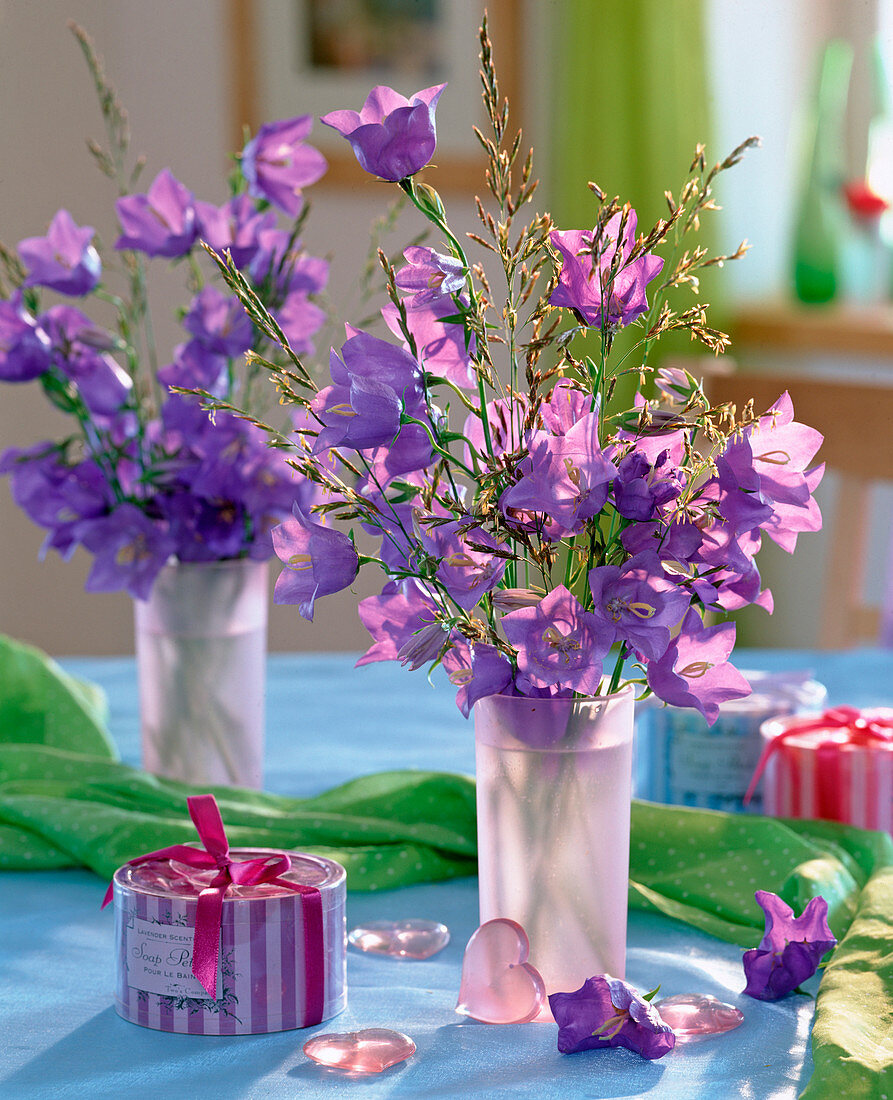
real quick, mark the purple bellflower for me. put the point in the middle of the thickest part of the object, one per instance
(641, 488)
(318, 561)
(566, 478)
(161, 222)
(194, 367)
(392, 137)
(558, 643)
(129, 551)
(476, 671)
(77, 344)
(465, 568)
(585, 284)
(277, 163)
(606, 1012)
(237, 226)
(63, 260)
(441, 344)
(374, 384)
(791, 948)
(219, 323)
(430, 275)
(637, 604)
(393, 619)
(24, 347)
(695, 671)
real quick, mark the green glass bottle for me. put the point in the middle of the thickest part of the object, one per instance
(819, 225)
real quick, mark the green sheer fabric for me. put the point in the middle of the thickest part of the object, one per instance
(65, 801)
(631, 103)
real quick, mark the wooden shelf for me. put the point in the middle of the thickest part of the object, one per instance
(792, 326)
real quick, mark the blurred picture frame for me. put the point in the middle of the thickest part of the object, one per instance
(295, 57)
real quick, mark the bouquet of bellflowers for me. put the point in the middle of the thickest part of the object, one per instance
(534, 540)
(145, 475)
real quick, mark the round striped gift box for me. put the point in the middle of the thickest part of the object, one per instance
(830, 772)
(264, 976)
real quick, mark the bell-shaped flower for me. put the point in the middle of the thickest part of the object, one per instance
(63, 260)
(363, 414)
(219, 323)
(424, 646)
(637, 604)
(566, 478)
(129, 551)
(607, 1012)
(278, 164)
(25, 351)
(565, 405)
(237, 226)
(585, 282)
(641, 488)
(194, 367)
(318, 561)
(477, 671)
(791, 948)
(374, 384)
(299, 319)
(558, 643)
(104, 386)
(763, 480)
(394, 618)
(392, 137)
(442, 346)
(695, 670)
(465, 568)
(430, 275)
(161, 222)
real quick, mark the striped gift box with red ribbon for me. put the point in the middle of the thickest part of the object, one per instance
(837, 766)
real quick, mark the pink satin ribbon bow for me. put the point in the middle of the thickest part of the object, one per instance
(861, 731)
(206, 817)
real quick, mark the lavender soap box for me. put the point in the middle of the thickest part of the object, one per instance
(279, 944)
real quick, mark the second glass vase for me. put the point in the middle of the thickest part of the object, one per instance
(201, 641)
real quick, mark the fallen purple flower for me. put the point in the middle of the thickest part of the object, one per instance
(791, 948)
(607, 1012)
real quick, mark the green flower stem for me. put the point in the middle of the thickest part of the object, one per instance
(618, 669)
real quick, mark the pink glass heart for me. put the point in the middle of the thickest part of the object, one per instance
(498, 985)
(369, 1051)
(400, 939)
(695, 1016)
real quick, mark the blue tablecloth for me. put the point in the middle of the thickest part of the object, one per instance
(60, 1037)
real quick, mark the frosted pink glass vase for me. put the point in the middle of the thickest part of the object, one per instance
(201, 641)
(553, 805)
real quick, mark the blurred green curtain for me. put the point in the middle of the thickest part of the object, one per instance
(631, 103)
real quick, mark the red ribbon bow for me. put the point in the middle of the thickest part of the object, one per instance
(862, 731)
(206, 817)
